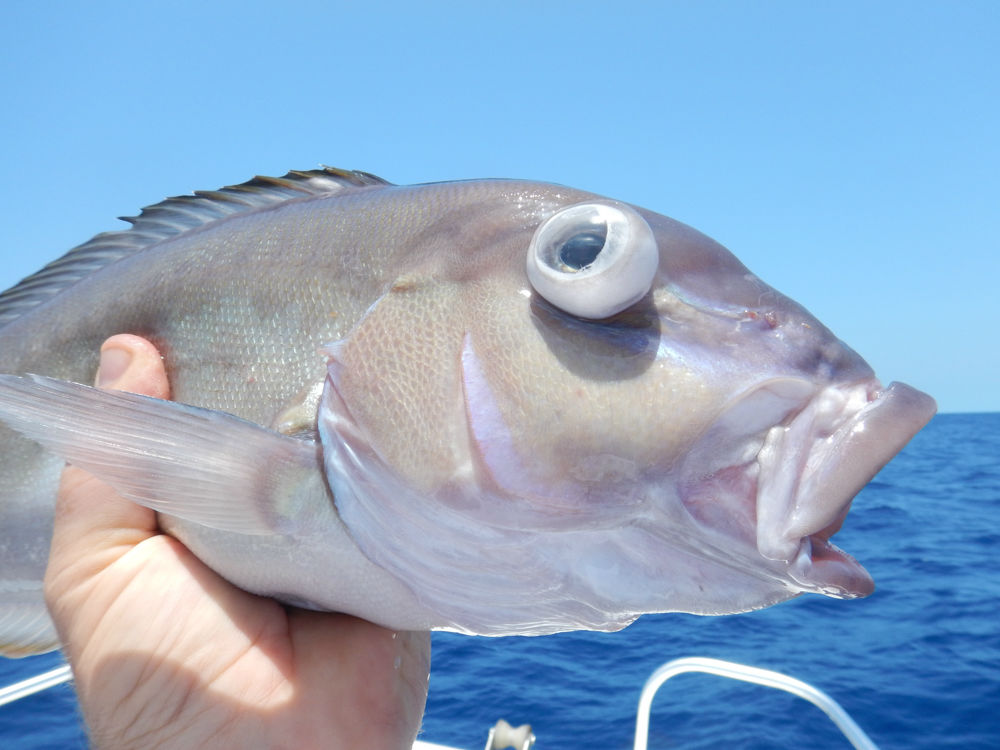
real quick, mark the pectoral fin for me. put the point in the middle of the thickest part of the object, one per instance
(204, 466)
(25, 626)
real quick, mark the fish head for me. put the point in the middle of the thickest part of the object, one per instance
(569, 411)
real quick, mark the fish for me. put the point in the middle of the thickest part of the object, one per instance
(489, 406)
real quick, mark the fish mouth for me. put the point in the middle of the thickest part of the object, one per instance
(798, 478)
(810, 470)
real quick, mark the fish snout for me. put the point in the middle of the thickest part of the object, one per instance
(799, 344)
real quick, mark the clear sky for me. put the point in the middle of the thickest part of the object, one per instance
(847, 152)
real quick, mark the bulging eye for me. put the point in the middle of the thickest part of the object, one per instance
(593, 260)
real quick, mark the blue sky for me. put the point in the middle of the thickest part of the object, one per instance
(846, 152)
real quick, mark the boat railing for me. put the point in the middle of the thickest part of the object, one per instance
(35, 684)
(755, 675)
(503, 735)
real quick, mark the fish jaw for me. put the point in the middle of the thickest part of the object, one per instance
(787, 488)
(850, 434)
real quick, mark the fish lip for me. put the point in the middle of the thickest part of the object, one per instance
(778, 471)
(811, 468)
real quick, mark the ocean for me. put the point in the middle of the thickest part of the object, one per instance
(917, 664)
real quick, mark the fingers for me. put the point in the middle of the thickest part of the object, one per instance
(93, 525)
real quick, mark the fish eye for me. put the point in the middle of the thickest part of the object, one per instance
(593, 260)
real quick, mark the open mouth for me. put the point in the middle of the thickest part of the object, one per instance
(794, 458)
(810, 470)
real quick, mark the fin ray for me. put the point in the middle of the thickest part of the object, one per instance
(25, 625)
(170, 218)
(205, 466)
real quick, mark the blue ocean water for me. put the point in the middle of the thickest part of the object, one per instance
(917, 664)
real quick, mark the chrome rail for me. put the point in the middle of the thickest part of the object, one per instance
(755, 675)
(852, 732)
(35, 684)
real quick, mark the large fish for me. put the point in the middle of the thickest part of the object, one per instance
(490, 406)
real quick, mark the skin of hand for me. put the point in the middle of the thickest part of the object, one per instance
(167, 654)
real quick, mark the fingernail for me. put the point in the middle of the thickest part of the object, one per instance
(114, 362)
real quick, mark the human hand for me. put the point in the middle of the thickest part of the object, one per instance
(166, 653)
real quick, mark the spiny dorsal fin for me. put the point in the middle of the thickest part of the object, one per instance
(170, 218)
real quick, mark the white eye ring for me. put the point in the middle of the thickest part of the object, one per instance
(593, 260)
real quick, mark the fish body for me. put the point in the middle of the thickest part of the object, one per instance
(490, 406)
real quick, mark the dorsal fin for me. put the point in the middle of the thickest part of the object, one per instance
(170, 218)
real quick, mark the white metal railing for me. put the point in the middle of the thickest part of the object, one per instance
(758, 676)
(35, 684)
(734, 671)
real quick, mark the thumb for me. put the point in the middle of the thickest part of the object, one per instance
(94, 526)
(131, 363)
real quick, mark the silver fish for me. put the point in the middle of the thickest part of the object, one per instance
(490, 406)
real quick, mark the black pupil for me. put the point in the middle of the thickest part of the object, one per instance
(580, 250)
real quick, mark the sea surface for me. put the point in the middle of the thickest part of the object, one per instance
(917, 664)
